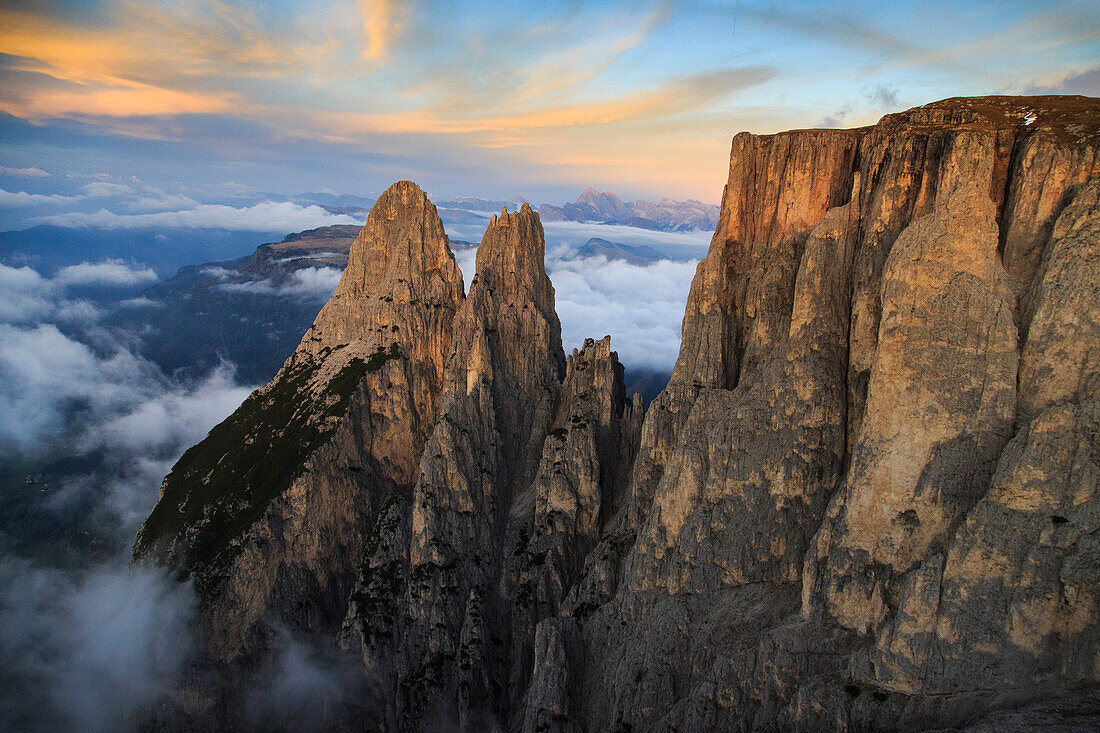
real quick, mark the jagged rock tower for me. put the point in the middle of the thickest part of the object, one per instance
(868, 498)
(394, 485)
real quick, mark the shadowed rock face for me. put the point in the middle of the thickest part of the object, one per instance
(866, 500)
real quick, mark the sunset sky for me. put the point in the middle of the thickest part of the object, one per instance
(492, 99)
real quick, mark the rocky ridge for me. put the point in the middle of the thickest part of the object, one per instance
(867, 498)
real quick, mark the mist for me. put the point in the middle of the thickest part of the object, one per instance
(88, 649)
(88, 642)
(308, 283)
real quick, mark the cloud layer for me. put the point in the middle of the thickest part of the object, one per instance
(27, 297)
(111, 273)
(308, 283)
(91, 645)
(640, 306)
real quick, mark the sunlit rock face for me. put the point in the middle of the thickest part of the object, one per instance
(867, 496)
(866, 500)
(266, 515)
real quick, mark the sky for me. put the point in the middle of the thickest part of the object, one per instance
(206, 98)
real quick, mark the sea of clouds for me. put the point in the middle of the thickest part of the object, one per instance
(95, 644)
(89, 645)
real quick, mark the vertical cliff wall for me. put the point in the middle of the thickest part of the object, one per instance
(868, 495)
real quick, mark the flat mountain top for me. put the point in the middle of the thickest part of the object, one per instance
(336, 238)
(1072, 117)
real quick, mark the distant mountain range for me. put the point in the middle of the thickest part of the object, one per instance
(591, 206)
(607, 208)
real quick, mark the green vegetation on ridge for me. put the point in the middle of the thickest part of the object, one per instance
(221, 487)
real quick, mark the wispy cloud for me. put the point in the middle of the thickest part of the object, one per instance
(142, 198)
(24, 172)
(107, 274)
(118, 98)
(22, 199)
(382, 21)
(676, 97)
(26, 297)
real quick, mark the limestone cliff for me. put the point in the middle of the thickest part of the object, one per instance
(866, 500)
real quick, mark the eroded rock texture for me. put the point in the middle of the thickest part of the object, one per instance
(866, 500)
(267, 513)
(862, 500)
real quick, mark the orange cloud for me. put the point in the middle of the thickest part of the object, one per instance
(152, 45)
(675, 98)
(381, 22)
(573, 65)
(124, 100)
(150, 62)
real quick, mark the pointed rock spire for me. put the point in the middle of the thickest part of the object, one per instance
(500, 395)
(511, 262)
(316, 452)
(400, 259)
